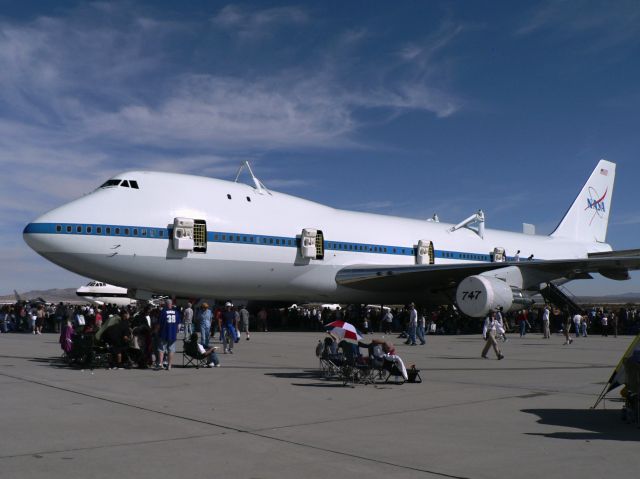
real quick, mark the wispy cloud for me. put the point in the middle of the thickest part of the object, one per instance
(627, 219)
(253, 24)
(599, 25)
(104, 87)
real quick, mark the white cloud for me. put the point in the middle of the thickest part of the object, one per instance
(600, 25)
(101, 89)
(255, 24)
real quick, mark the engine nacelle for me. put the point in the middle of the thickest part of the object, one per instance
(477, 295)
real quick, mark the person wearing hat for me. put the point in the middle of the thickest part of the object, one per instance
(227, 320)
(205, 325)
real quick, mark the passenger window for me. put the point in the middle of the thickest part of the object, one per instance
(224, 237)
(89, 229)
(126, 231)
(160, 233)
(68, 229)
(58, 228)
(99, 230)
(215, 237)
(117, 231)
(144, 232)
(135, 231)
(108, 230)
(79, 229)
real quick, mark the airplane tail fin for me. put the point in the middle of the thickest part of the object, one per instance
(588, 217)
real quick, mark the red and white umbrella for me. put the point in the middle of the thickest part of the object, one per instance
(344, 331)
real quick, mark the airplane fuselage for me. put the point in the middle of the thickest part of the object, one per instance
(123, 236)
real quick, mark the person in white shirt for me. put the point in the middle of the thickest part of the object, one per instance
(489, 332)
(387, 321)
(605, 324)
(413, 325)
(577, 319)
(545, 322)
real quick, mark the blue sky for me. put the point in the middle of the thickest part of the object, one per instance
(404, 108)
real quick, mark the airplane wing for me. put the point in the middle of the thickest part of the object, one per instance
(378, 278)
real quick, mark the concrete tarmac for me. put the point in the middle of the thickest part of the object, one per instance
(267, 414)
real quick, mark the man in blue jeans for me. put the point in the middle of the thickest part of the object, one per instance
(421, 329)
(413, 325)
(227, 320)
(205, 325)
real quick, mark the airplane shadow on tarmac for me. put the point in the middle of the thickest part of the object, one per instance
(595, 424)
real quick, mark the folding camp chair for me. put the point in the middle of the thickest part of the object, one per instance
(192, 356)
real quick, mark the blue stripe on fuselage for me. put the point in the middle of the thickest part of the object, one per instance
(145, 232)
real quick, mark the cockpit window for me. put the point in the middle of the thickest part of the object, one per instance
(110, 183)
(122, 183)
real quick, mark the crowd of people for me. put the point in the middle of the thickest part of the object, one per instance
(145, 337)
(36, 318)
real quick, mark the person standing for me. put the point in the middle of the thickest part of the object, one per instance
(168, 333)
(577, 319)
(583, 325)
(412, 325)
(422, 323)
(546, 332)
(605, 324)
(244, 321)
(187, 321)
(387, 321)
(227, 330)
(262, 320)
(566, 328)
(205, 325)
(489, 332)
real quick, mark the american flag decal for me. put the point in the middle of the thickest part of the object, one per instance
(604, 171)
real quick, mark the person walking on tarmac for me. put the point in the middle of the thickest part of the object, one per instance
(489, 332)
(227, 329)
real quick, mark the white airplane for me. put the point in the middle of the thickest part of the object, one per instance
(100, 293)
(163, 233)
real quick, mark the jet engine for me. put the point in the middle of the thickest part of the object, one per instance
(477, 295)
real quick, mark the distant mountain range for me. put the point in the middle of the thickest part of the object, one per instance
(69, 295)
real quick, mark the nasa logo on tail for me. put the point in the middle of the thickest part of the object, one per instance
(596, 203)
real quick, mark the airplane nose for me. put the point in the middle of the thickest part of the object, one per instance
(39, 235)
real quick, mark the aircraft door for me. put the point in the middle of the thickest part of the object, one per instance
(425, 253)
(183, 234)
(312, 244)
(498, 255)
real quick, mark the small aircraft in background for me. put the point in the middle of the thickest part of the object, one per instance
(100, 293)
